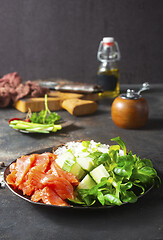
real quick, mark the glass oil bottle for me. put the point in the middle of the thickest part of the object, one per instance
(108, 72)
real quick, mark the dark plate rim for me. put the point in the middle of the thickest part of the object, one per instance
(27, 198)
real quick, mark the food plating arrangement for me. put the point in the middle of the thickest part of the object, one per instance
(83, 173)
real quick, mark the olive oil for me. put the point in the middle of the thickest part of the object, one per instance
(108, 72)
(108, 79)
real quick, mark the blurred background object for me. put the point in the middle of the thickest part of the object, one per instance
(60, 38)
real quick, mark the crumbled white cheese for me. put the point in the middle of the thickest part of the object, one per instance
(77, 148)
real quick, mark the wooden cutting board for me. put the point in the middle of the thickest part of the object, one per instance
(76, 104)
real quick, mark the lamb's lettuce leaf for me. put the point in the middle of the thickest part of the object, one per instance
(129, 177)
(121, 143)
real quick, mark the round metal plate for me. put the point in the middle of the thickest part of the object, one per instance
(19, 193)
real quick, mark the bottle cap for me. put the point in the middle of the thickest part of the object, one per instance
(108, 39)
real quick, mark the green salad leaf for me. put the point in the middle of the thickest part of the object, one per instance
(121, 143)
(129, 177)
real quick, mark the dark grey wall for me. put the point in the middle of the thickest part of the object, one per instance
(60, 38)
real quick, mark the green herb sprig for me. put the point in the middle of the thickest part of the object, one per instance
(43, 122)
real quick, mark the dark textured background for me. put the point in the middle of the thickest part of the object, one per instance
(60, 38)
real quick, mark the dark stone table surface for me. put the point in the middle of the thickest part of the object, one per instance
(21, 220)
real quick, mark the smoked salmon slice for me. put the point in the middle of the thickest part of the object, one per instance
(42, 161)
(69, 176)
(38, 176)
(11, 178)
(37, 196)
(39, 166)
(61, 185)
(50, 197)
(23, 164)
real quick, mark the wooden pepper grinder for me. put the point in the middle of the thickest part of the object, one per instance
(130, 110)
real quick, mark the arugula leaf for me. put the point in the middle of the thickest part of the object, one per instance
(76, 201)
(138, 185)
(126, 186)
(121, 143)
(147, 171)
(93, 190)
(129, 177)
(129, 196)
(100, 158)
(104, 158)
(144, 162)
(111, 199)
(125, 171)
(100, 197)
(125, 165)
(125, 160)
(113, 154)
(114, 147)
(88, 199)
